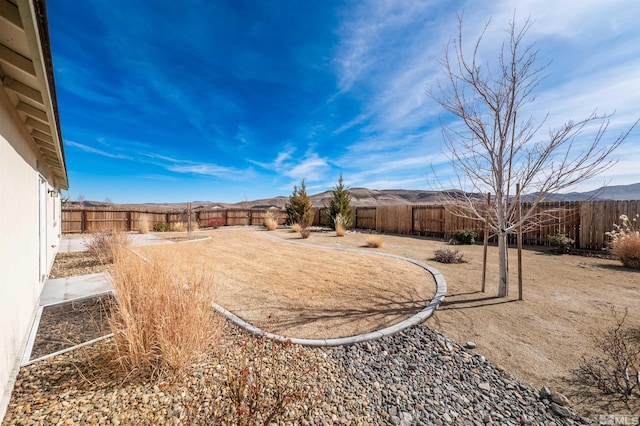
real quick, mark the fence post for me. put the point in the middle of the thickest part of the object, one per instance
(519, 242)
(129, 221)
(83, 221)
(486, 243)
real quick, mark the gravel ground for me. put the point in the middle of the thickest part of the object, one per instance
(417, 377)
(76, 263)
(69, 324)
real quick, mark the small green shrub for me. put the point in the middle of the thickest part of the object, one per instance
(561, 243)
(464, 237)
(447, 255)
(161, 227)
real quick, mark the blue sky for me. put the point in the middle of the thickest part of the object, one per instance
(164, 101)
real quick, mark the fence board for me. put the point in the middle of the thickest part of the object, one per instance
(394, 219)
(428, 220)
(586, 222)
(238, 217)
(365, 218)
(72, 221)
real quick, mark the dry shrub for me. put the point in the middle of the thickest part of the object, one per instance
(375, 241)
(340, 226)
(103, 245)
(256, 381)
(143, 225)
(184, 226)
(164, 318)
(270, 221)
(625, 241)
(296, 227)
(216, 222)
(447, 255)
(305, 231)
(616, 367)
(178, 227)
(259, 390)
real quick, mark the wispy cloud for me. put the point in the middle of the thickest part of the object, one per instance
(258, 98)
(96, 151)
(202, 169)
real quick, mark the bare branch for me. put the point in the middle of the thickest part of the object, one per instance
(493, 145)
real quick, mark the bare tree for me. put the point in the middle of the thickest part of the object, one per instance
(497, 146)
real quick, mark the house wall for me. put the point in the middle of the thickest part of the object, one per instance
(20, 278)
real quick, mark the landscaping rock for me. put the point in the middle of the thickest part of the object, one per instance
(560, 410)
(416, 377)
(559, 398)
(470, 345)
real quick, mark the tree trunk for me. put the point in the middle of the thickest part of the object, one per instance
(503, 257)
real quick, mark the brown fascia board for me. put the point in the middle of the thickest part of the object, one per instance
(40, 9)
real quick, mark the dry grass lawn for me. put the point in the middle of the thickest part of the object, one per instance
(307, 292)
(301, 291)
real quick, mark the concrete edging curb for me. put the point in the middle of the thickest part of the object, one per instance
(441, 291)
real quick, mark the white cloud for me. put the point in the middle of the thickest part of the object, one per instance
(96, 151)
(310, 168)
(202, 169)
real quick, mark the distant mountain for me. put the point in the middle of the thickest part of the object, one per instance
(615, 192)
(361, 197)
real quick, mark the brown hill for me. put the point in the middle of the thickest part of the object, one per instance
(361, 197)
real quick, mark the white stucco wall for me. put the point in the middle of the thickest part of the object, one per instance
(20, 284)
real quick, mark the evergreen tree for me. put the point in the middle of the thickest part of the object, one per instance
(293, 207)
(340, 204)
(299, 207)
(306, 212)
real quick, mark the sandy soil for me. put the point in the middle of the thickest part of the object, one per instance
(542, 340)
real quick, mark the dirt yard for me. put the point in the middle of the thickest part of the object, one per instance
(308, 292)
(301, 291)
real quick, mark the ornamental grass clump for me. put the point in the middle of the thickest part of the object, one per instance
(375, 241)
(340, 226)
(270, 222)
(163, 320)
(625, 241)
(143, 225)
(104, 243)
(183, 226)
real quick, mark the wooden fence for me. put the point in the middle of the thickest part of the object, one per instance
(92, 220)
(585, 222)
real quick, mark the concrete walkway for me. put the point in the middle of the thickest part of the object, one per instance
(60, 290)
(79, 243)
(64, 289)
